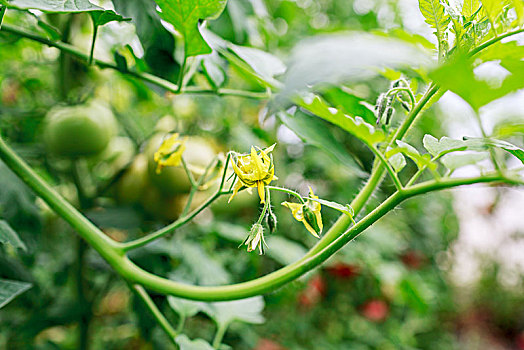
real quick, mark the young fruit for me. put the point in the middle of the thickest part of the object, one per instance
(79, 131)
(173, 180)
(131, 186)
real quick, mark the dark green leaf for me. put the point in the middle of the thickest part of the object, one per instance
(8, 235)
(355, 126)
(10, 290)
(315, 133)
(184, 16)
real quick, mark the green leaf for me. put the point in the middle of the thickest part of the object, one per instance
(315, 133)
(354, 57)
(445, 145)
(244, 310)
(345, 209)
(456, 160)
(355, 126)
(518, 5)
(184, 307)
(490, 142)
(8, 235)
(348, 103)
(10, 290)
(102, 17)
(412, 153)
(53, 5)
(207, 270)
(397, 161)
(99, 14)
(493, 9)
(457, 75)
(284, 250)
(435, 15)
(469, 8)
(264, 65)
(213, 70)
(187, 344)
(184, 15)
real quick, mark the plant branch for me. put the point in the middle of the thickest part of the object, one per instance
(288, 191)
(390, 170)
(113, 252)
(141, 293)
(150, 78)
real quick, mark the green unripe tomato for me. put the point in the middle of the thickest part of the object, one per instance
(79, 131)
(132, 185)
(173, 180)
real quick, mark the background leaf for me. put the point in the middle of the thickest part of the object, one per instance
(315, 133)
(187, 344)
(184, 307)
(352, 57)
(8, 235)
(10, 290)
(244, 310)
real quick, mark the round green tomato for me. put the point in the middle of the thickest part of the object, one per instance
(173, 180)
(79, 131)
(132, 185)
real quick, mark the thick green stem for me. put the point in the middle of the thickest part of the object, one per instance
(113, 252)
(143, 76)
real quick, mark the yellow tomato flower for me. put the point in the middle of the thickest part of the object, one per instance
(255, 169)
(255, 239)
(308, 213)
(170, 152)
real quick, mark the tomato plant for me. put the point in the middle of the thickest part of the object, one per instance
(174, 173)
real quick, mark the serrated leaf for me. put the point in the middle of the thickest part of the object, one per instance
(445, 145)
(353, 57)
(10, 290)
(435, 15)
(397, 161)
(355, 126)
(456, 160)
(469, 8)
(244, 310)
(314, 132)
(196, 344)
(184, 307)
(184, 15)
(8, 235)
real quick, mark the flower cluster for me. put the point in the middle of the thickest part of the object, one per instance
(255, 169)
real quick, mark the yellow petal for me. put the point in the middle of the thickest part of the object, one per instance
(238, 186)
(261, 192)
